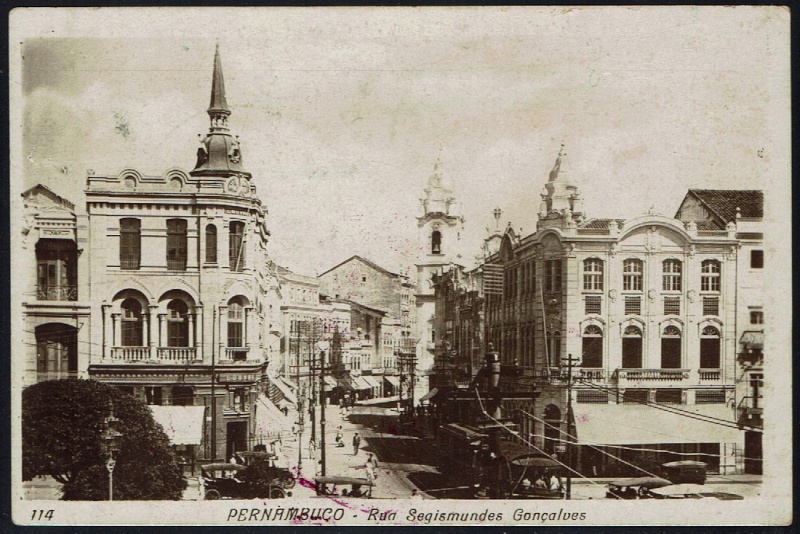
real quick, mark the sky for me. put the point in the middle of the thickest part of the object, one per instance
(343, 112)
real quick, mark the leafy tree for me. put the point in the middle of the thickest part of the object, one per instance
(62, 421)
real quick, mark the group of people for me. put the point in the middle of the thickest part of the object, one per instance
(543, 481)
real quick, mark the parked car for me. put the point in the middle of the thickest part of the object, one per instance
(692, 491)
(282, 476)
(359, 487)
(635, 488)
(685, 472)
(221, 481)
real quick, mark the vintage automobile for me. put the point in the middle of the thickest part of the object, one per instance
(358, 487)
(282, 476)
(531, 475)
(635, 488)
(685, 471)
(692, 491)
(221, 481)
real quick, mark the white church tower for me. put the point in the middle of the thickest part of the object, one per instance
(439, 230)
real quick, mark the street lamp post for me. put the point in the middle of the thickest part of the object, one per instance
(111, 439)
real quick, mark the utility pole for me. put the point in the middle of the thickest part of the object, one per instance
(570, 429)
(322, 413)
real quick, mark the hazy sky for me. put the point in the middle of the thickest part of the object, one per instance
(342, 112)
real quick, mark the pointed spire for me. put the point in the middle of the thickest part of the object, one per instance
(218, 103)
(562, 154)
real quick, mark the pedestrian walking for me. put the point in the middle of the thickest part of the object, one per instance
(371, 467)
(356, 443)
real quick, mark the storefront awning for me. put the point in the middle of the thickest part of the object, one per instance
(360, 383)
(371, 381)
(182, 424)
(270, 421)
(429, 395)
(287, 393)
(345, 384)
(753, 340)
(330, 381)
(621, 424)
(289, 383)
(393, 380)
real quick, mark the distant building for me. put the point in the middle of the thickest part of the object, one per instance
(713, 209)
(646, 307)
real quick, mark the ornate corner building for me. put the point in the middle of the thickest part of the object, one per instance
(162, 288)
(651, 310)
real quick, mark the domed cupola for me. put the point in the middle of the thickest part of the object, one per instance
(219, 153)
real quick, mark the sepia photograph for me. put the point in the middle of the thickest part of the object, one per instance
(401, 266)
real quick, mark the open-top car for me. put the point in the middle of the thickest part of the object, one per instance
(279, 475)
(358, 487)
(635, 488)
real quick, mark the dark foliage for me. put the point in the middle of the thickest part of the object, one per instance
(61, 425)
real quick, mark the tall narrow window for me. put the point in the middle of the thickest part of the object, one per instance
(236, 246)
(176, 245)
(593, 275)
(709, 348)
(552, 275)
(57, 262)
(672, 275)
(592, 347)
(211, 244)
(671, 348)
(56, 351)
(555, 349)
(709, 276)
(132, 325)
(756, 259)
(235, 324)
(632, 348)
(436, 242)
(632, 275)
(178, 324)
(130, 243)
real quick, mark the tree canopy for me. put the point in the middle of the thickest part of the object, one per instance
(62, 421)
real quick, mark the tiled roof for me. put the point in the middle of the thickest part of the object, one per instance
(370, 263)
(706, 225)
(600, 224)
(723, 203)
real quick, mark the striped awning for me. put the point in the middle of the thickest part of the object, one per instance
(753, 340)
(270, 421)
(371, 381)
(330, 381)
(393, 380)
(360, 383)
(287, 393)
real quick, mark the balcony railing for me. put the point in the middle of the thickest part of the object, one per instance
(130, 354)
(177, 354)
(57, 293)
(237, 354)
(710, 374)
(653, 374)
(590, 373)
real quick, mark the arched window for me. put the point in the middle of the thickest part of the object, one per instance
(211, 244)
(436, 242)
(236, 255)
(632, 275)
(709, 348)
(176, 244)
(709, 275)
(235, 324)
(671, 275)
(130, 243)
(592, 347)
(178, 324)
(132, 325)
(593, 274)
(632, 348)
(671, 348)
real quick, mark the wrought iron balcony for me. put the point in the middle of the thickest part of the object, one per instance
(177, 354)
(57, 293)
(662, 375)
(237, 354)
(710, 374)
